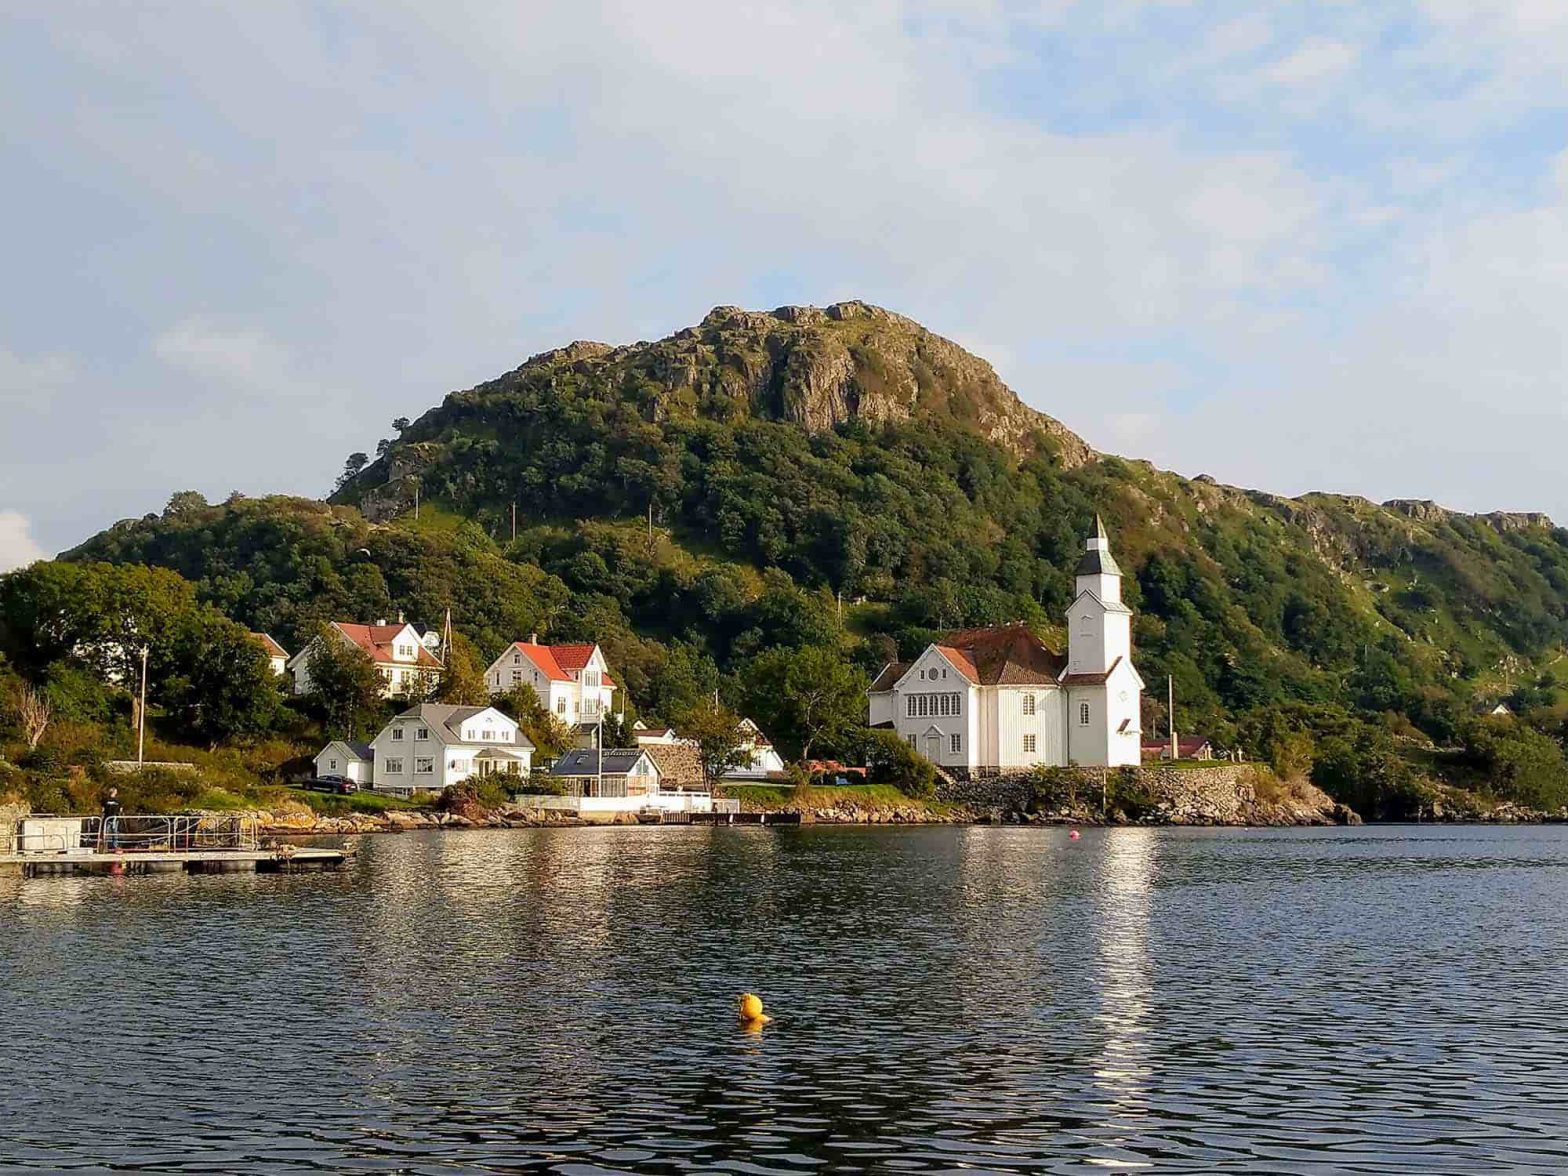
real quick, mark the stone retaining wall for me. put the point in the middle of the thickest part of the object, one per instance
(1214, 794)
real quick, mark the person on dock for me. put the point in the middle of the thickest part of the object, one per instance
(111, 820)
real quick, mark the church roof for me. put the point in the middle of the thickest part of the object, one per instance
(1090, 679)
(1097, 563)
(1002, 655)
(889, 676)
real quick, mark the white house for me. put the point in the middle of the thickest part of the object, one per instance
(407, 666)
(430, 746)
(277, 656)
(763, 759)
(996, 699)
(352, 761)
(572, 682)
(647, 736)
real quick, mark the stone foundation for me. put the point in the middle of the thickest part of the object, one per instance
(1214, 794)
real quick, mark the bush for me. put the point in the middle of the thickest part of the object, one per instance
(892, 761)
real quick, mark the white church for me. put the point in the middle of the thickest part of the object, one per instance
(997, 699)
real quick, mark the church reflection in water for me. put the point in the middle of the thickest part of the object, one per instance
(1124, 888)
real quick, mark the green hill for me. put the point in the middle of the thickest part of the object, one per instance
(843, 477)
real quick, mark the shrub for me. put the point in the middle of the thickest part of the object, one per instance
(892, 761)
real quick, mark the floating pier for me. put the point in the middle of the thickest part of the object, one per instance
(191, 842)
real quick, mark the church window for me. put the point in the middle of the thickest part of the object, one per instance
(1083, 714)
(911, 739)
(1028, 704)
(910, 706)
(958, 744)
(1028, 744)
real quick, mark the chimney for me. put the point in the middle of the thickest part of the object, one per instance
(400, 616)
(381, 622)
(533, 639)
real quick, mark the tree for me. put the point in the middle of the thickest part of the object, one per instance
(345, 683)
(721, 740)
(352, 467)
(226, 687)
(805, 696)
(32, 713)
(463, 683)
(549, 735)
(400, 424)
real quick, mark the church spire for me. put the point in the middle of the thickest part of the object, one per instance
(1099, 530)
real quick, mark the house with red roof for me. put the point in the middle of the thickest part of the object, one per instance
(277, 656)
(407, 666)
(571, 681)
(998, 698)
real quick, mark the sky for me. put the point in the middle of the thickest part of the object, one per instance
(1315, 246)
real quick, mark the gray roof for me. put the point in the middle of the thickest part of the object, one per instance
(447, 721)
(585, 762)
(1097, 563)
(362, 750)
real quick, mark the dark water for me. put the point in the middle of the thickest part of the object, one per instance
(1381, 1000)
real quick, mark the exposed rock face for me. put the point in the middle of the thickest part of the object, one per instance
(818, 367)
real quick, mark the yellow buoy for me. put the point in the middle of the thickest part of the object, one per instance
(750, 1009)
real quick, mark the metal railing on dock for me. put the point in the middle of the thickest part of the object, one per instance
(136, 833)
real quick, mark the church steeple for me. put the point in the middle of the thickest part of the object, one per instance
(1097, 569)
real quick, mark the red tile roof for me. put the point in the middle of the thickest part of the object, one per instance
(377, 641)
(557, 661)
(272, 647)
(1002, 655)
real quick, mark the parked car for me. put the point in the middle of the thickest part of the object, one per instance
(337, 784)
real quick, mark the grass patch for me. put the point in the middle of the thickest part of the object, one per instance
(333, 805)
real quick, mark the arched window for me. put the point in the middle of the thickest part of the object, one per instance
(1083, 714)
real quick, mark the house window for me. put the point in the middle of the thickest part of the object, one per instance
(958, 744)
(422, 733)
(591, 679)
(517, 677)
(489, 733)
(406, 652)
(1028, 744)
(397, 734)
(560, 706)
(395, 765)
(517, 659)
(424, 765)
(332, 765)
(1083, 714)
(1028, 704)
(911, 739)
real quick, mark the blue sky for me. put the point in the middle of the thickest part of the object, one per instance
(1297, 247)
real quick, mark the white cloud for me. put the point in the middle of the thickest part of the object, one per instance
(30, 384)
(17, 546)
(1315, 62)
(333, 222)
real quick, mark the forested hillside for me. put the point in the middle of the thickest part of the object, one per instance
(844, 480)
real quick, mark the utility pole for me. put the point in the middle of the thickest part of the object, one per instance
(141, 714)
(514, 522)
(1170, 714)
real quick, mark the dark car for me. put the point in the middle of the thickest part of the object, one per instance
(334, 784)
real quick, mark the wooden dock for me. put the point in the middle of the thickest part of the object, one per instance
(269, 860)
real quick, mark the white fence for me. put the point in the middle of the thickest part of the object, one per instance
(662, 802)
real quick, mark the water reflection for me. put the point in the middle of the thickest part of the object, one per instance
(991, 999)
(1125, 884)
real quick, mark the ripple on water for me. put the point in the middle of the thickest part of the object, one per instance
(947, 999)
